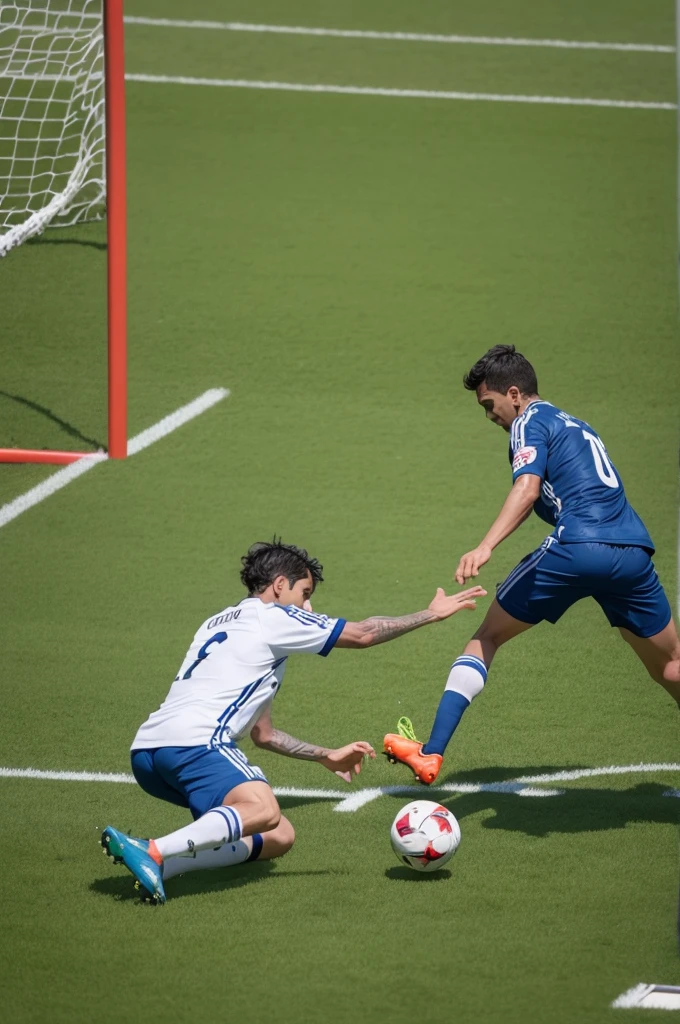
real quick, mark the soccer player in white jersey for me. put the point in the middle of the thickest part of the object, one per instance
(599, 548)
(186, 752)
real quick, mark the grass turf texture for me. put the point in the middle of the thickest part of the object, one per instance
(338, 263)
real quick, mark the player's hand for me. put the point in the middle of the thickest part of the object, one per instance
(346, 761)
(471, 563)
(444, 605)
(307, 606)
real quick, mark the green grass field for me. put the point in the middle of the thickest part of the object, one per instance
(338, 262)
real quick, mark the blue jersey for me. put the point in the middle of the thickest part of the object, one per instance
(582, 495)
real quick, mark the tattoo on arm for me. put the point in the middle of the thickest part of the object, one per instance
(281, 743)
(382, 629)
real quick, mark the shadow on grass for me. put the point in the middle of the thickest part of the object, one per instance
(503, 773)
(68, 428)
(408, 875)
(121, 887)
(286, 803)
(45, 240)
(575, 810)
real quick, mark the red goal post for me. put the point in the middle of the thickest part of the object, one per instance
(37, 23)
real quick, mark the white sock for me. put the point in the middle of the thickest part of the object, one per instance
(218, 826)
(222, 857)
(467, 676)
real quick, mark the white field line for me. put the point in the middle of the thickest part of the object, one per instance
(589, 773)
(427, 94)
(64, 476)
(351, 801)
(405, 37)
(632, 997)
(37, 773)
(361, 797)
(176, 419)
(362, 90)
(53, 483)
(649, 997)
(662, 997)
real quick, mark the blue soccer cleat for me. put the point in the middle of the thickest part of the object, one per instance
(133, 853)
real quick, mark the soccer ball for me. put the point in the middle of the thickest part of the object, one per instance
(425, 835)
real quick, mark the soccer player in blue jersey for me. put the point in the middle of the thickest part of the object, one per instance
(599, 548)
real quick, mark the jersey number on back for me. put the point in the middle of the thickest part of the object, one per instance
(603, 466)
(216, 638)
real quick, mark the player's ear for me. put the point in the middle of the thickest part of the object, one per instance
(278, 585)
(514, 395)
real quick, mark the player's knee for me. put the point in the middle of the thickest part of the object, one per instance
(270, 815)
(259, 809)
(285, 835)
(489, 636)
(671, 670)
(279, 840)
(268, 819)
(491, 632)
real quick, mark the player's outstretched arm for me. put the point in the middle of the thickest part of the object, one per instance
(379, 629)
(342, 761)
(516, 508)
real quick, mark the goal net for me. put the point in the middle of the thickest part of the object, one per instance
(52, 116)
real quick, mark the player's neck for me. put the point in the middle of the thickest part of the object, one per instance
(526, 402)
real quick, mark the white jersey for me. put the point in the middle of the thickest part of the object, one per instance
(232, 672)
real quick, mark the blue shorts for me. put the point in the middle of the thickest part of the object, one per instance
(622, 580)
(195, 777)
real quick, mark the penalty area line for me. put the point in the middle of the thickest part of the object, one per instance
(427, 94)
(126, 778)
(349, 801)
(64, 476)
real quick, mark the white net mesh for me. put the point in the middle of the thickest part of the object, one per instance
(52, 133)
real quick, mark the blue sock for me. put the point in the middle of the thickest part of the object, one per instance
(449, 713)
(466, 680)
(257, 846)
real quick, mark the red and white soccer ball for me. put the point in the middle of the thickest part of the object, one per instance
(425, 835)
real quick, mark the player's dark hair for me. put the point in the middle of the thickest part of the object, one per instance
(268, 559)
(500, 368)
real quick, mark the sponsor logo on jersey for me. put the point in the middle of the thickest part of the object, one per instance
(524, 457)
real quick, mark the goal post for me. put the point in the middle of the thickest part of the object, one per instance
(116, 224)
(63, 156)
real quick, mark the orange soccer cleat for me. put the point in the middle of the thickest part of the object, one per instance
(403, 746)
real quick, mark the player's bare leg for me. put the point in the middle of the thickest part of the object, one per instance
(256, 805)
(265, 834)
(497, 628)
(248, 808)
(466, 680)
(660, 654)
